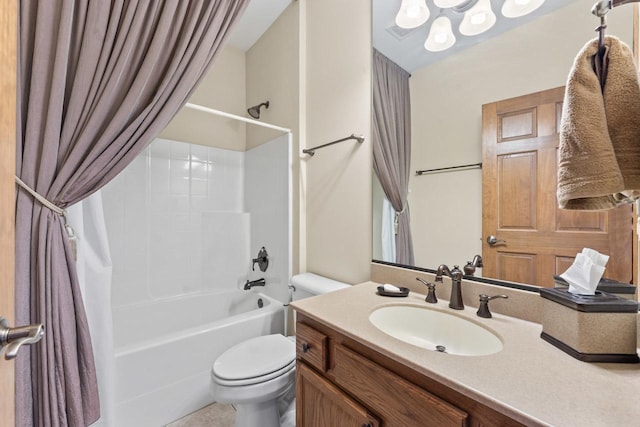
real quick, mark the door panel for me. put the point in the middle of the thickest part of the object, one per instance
(517, 267)
(520, 144)
(580, 221)
(8, 55)
(517, 125)
(517, 191)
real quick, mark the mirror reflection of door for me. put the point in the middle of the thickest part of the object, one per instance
(535, 239)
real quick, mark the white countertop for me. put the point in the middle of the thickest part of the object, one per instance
(530, 380)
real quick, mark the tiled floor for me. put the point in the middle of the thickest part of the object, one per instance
(215, 415)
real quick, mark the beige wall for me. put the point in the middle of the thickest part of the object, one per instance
(272, 73)
(446, 113)
(222, 88)
(337, 103)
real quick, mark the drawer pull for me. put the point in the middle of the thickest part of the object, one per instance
(306, 347)
(367, 425)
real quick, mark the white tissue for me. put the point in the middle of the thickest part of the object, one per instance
(390, 288)
(586, 271)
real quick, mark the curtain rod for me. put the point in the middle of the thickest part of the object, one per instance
(472, 165)
(233, 116)
(311, 151)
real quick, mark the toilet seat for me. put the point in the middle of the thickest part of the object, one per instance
(255, 360)
(255, 380)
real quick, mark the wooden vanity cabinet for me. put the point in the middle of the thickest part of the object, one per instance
(340, 382)
(327, 405)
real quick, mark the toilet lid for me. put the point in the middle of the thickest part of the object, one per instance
(255, 357)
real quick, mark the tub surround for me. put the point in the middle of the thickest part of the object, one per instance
(529, 381)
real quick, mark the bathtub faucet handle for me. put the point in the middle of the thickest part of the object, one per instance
(262, 260)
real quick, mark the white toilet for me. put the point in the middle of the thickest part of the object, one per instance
(255, 374)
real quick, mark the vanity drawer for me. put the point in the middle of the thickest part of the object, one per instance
(397, 401)
(312, 347)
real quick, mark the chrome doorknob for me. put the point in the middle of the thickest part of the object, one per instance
(493, 240)
(14, 338)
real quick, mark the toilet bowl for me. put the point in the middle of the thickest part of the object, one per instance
(256, 375)
(253, 375)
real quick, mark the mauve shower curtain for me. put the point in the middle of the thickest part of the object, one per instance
(392, 145)
(97, 80)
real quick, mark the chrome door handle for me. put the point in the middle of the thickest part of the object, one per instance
(493, 240)
(14, 338)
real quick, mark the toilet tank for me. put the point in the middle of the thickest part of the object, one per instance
(308, 284)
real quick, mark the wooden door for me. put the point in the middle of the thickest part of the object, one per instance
(519, 156)
(320, 403)
(8, 72)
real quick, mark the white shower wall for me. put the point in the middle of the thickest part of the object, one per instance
(177, 222)
(267, 198)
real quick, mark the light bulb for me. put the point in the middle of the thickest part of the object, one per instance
(440, 35)
(517, 8)
(478, 19)
(412, 14)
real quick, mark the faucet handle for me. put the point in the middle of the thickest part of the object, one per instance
(456, 273)
(431, 293)
(483, 310)
(262, 260)
(470, 266)
(469, 269)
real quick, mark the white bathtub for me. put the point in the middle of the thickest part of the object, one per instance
(164, 350)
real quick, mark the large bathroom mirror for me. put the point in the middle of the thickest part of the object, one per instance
(518, 56)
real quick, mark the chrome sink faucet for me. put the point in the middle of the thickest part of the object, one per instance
(455, 301)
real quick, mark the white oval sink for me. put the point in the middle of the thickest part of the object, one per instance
(435, 330)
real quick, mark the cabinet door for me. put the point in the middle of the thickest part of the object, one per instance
(320, 404)
(398, 402)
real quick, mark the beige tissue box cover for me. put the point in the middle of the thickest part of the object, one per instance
(600, 328)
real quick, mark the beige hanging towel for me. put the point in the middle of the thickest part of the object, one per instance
(599, 155)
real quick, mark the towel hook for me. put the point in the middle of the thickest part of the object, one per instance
(601, 29)
(600, 9)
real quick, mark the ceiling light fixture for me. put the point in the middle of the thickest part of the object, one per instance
(440, 36)
(517, 8)
(478, 19)
(412, 13)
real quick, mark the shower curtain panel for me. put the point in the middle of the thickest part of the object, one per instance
(94, 268)
(392, 145)
(97, 81)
